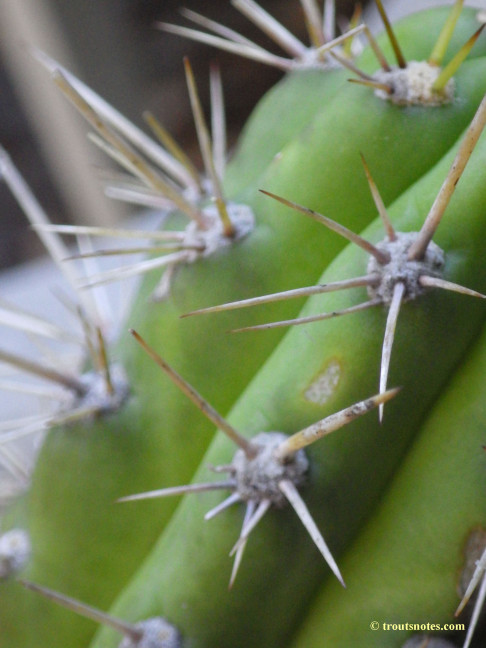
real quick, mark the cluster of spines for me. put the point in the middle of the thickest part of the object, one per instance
(213, 156)
(381, 256)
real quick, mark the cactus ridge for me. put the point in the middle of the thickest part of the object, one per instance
(120, 433)
(400, 268)
(265, 471)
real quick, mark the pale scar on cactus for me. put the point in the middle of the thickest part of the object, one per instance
(265, 471)
(401, 268)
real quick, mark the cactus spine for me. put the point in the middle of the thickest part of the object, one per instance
(157, 558)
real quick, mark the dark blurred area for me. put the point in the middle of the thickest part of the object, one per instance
(125, 58)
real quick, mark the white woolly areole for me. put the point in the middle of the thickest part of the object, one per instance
(15, 551)
(258, 478)
(97, 396)
(157, 633)
(208, 241)
(214, 238)
(401, 269)
(412, 86)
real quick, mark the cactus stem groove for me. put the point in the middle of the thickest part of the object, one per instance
(207, 409)
(298, 504)
(311, 318)
(381, 257)
(265, 471)
(366, 280)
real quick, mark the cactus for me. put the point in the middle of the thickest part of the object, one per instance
(266, 230)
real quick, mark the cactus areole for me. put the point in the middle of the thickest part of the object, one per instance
(110, 523)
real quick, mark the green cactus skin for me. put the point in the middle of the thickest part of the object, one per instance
(406, 564)
(260, 143)
(79, 528)
(187, 581)
(321, 152)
